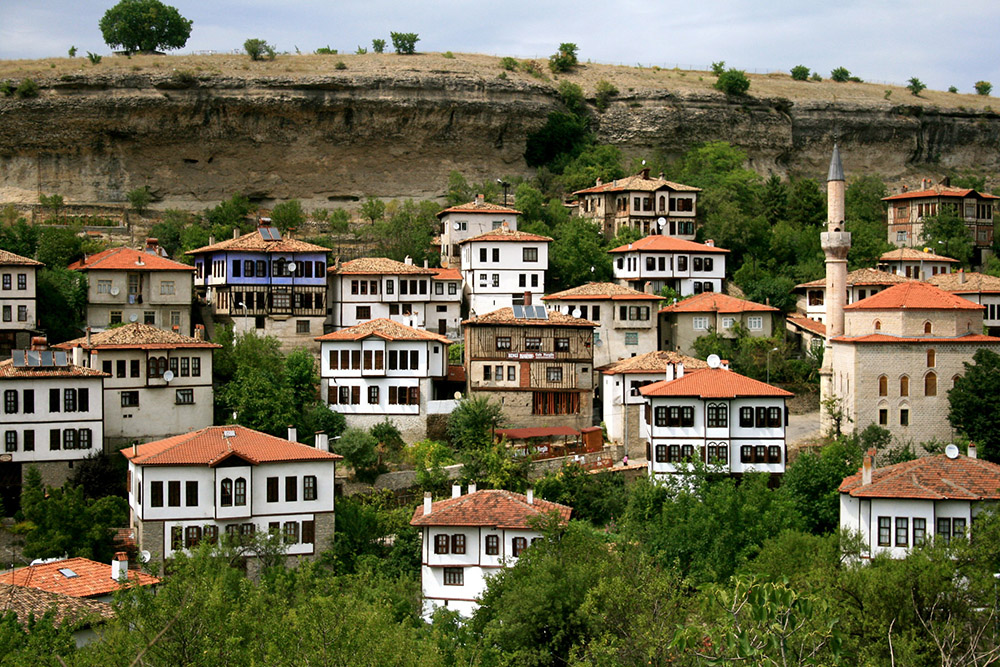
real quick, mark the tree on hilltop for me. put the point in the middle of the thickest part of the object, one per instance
(144, 26)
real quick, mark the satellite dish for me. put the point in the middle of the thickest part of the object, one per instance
(598, 342)
(292, 266)
(951, 451)
(592, 269)
(133, 318)
(643, 163)
(115, 291)
(576, 312)
(661, 221)
(145, 555)
(457, 226)
(713, 361)
(168, 376)
(458, 395)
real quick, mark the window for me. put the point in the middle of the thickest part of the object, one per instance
(10, 438)
(156, 366)
(104, 287)
(718, 415)
(883, 417)
(496, 280)
(931, 358)
(718, 454)
(700, 323)
(309, 487)
(240, 492)
(927, 327)
(904, 417)
(191, 493)
(661, 453)
(511, 373)
(529, 254)
(631, 338)
(29, 441)
(487, 372)
(503, 342)
(904, 386)
(176, 537)
(134, 367)
(496, 254)
(930, 384)
(755, 323)
(69, 400)
(301, 326)
(884, 531)
(174, 494)
(363, 312)
(919, 531)
(554, 374)
(291, 532)
(440, 544)
(184, 397)
(774, 417)
(746, 417)
(115, 317)
(130, 399)
(562, 345)
(944, 529)
(532, 343)
(492, 545)
(10, 401)
(226, 493)
(308, 532)
(902, 531)
(454, 576)
(682, 263)
(517, 545)
(291, 489)
(272, 489)
(373, 395)
(883, 385)
(555, 403)
(458, 543)
(452, 289)
(156, 494)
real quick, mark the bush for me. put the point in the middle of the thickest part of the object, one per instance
(93, 58)
(604, 92)
(508, 63)
(340, 65)
(840, 75)
(360, 51)
(139, 199)
(572, 96)
(448, 54)
(7, 88)
(815, 77)
(984, 88)
(733, 82)
(326, 51)
(952, 89)
(915, 85)
(800, 73)
(27, 88)
(258, 49)
(405, 43)
(564, 59)
(358, 447)
(718, 67)
(72, 52)
(378, 45)
(533, 68)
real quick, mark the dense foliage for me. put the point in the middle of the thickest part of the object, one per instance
(972, 403)
(144, 26)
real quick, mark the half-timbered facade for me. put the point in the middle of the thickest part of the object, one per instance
(647, 205)
(907, 211)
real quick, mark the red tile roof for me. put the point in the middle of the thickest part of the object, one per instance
(638, 181)
(913, 255)
(127, 259)
(494, 508)
(93, 579)
(385, 329)
(254, 242)
(9, 258)
(652, 362)
(601, 291)
(136, 335)
(504, 234)
(661, 243)
(862, 277)
(536, 432)
(808, 324)
(378, 265)
(212, 445)
(913, 295)
(713, 383)
(716, 302)
(940, 191)
(447, 274)
(930, 478)
(506, 316)
(885, 338)
(9, 372)
(966, 282)
(477, 206)
(67, 610)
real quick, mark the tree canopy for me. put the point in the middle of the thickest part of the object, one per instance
(971, 401)
(144, 26)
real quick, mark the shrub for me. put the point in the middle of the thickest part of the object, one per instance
(800, 73)
(508, 63)
(340, 65)
(7, 88)
(952, 89)
(27, 88)
(572, 96)
(360, 51)
(378, 45)
(405, 43)
(183, 77)
(448, 54)
(840, 75)
(564, 59)
(326, 51)
(533, 68)
(72, 52)
(718, 67)
(93, 58)
(733, 82)
(915, 85)
(139, 198)
(605, 90)
(815, 77)
(258, 49)
(984, 88)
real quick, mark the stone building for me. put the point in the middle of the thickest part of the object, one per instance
(682, 323)
(647, 205)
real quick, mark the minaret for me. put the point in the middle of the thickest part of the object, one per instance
(836, 243)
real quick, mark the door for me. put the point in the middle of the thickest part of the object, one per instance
(10, 487)
(442, 327)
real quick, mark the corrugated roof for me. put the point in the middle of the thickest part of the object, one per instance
(970, 282)
(601, 291)
(504, 234)
(9, 258)
(863, 277)
(92, 579)
(913, 295)
(930, 478)
(914, 255)
(940, 191)
(383, 328)
(136, 335)
(653, 362)
(214, 444)
(254, 242)
(127, 259)
(713, 383)
(716, 302)
(378, 265)
(506, 316)
(661, 243)
(640, 182)
(477, 206)
(494, 508)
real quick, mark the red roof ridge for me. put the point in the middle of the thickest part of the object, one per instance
(385, 328)
(713, 383)
(211, 445)
(716, 302)
(931, 477)
(913, 295)
(663, 243)
(488, 507)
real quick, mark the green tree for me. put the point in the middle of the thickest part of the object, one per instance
(139, 199)
(472, 423)
(564, 59)
(53, 203)
(100, 474)
(578, 255)
(36, 640)
(813, 482)
(230, 213)
(288, 215)
(405, 43)
(169, 230)
(969, 403)
(840, 75)
(733, 82)
(800, 73)
(387, 434)
(144, 26)
(603, 92)
(595, 161)
(596, 498)
(378, 45)
(407, 232)
(259, 49)
(19, 238)
(946, 234)
(364, 523)
(62, 302)
(562, 138)
(373, 210)
(571, 95)
(915, 85)
(358, 447)
(719, 67)
(983, 88)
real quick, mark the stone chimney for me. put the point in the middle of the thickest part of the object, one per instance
(456, 490)
(236, 232)
(199, 332)
(88, 336)
(527, 298)
(428, 503)
(293, 434)
(670, 372)
(972, 450)
(648, 287)
(119, 566)
(866, 468)
(472, 487)
(961, 276)
(531, 496)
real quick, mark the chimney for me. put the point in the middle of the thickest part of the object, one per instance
(119, 566)
(961, 276)
(480, 200)
(661, 176)
(77, 355)
(648, 287)
(645, 174)
(135, 449)
(427, 503)
(211, 240)
(972, 450)
(408, 260)
(531, 496)
(425, 264)
(88, 336)
(456, 490)
(39, 343)
(236, 232)
(710, 242)
(322, 441)
(199, 332)
(599, 181)
(670, 371)
(679, 372)
(472, 487)
(293, 434)
(866, 471)
(527, 298)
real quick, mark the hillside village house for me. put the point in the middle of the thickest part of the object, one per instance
(647, 205)
(265, 282)
(18, 308)
(861, 284)
(978, 288)
(81, 616)
(907, 210)
(159, 383)
(717, 416)
(684, 266)
(53, 417)
(622, 402)
(79, 577)
(502, 266)
(127, 285)
(383, 369)
(466, 221)
(537, 364)
(467, 538)
(902, 506)
(901, 352)
(230, 480)
(914, 263)
(625, 325)
(684, 322)
(447, 301)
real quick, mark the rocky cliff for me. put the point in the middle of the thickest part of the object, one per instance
(332, 138)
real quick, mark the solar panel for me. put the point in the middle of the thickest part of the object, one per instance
(265, 233)
(17, 356)
(541, 313)
(68, 573)
(518, 312)
(60, 358)
(275, 234)
(32, 358)
(45, 358)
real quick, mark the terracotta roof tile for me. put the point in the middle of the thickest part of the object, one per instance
(637, 182)
(913, 295)
(67, 610)
(652, 362)
(930, 478)
(863, 277)
(912, 254)
(503, 234)
(601, 291)
(713, 383)
(939, 191)
(9, 372)
(479, 207)
(92, 579)
(386, 329)
(136, 335)
(214, 444)
(886, 338)
(254, 242)
(127, 259)
(9, 258)
(716, 302)
(378, 265)
(494, 508)
(970, 282)
(661, 243)
(447, 274)
(506, 316)
(808, 324)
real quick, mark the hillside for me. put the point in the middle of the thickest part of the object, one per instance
(196, 129)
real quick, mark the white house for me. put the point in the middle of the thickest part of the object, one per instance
(159, 383)
(53, 416)
(18, 310)
(903, 505)
(717, 416)
(684, 266)
(980, 288)
(468, 538)
(466, 221)
(446, 298)
(232, 480)
(916, 264)
(380, 369)
(500, 266)
(79, 577)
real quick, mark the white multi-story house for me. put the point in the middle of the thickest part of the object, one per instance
(684, 266)
(467, 538)
(916, 264)
(648, 205)
(500, 266)
(127, 285)
(980, 288)
(381, 368)
(159, 383)
(717, 416)
(18, 310)
(466, 221)
(902, 506)
(53, 416)
(623, 404)
(372, 288)
(230, 480)
(625, 318)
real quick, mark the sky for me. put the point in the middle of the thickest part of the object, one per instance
(941, 44)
